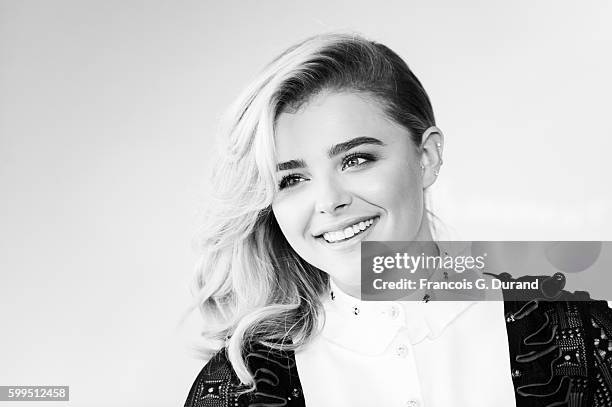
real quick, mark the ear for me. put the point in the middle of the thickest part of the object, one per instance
(432, 146)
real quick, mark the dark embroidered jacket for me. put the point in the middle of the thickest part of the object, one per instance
(559, 345)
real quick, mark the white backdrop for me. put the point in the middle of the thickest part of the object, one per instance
(107, 110)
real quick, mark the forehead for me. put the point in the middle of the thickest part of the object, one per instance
(330, 118)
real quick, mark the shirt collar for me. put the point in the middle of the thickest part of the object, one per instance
(369, 327)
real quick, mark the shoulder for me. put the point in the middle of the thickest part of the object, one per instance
(276, 381)
(215, 385)
(559, 343)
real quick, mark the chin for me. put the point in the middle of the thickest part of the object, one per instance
(349, 275)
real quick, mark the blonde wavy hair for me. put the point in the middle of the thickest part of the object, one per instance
(251, 286)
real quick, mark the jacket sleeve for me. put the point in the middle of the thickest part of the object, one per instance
(560, 348)
(216, 385)
(276, 381)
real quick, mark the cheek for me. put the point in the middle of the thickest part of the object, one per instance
(395, 188)
(292, 217)
(408, 192)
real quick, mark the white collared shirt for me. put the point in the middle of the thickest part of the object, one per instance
(408, 354)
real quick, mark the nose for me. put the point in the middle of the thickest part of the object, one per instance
(331, 197)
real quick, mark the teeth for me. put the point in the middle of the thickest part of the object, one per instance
(347, 232)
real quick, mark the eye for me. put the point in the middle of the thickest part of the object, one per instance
(356, 160)
(290, 180)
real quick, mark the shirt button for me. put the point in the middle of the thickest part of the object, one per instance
(393, 312)
(412, 403)
(401, 351)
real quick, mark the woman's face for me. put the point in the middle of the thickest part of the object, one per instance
(346, 173)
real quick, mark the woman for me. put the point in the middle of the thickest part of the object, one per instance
(335, 143)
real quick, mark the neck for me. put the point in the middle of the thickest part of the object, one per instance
(428, 248)
(352, 290)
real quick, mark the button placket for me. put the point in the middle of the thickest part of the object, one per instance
(394, 311)
(403, 353)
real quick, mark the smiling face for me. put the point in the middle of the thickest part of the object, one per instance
(346, 173)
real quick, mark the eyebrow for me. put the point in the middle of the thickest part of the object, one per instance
(347, 145)
(332, 152)
(291, 165)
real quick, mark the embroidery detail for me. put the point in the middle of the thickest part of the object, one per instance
(552, 362)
